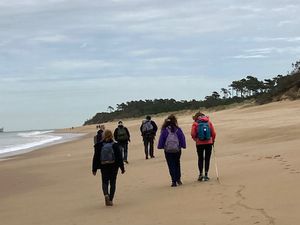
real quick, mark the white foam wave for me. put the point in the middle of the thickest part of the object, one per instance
(33, 133)
(30, 145)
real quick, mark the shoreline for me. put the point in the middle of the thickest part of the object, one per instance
(13, 154)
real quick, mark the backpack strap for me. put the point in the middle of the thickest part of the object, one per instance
(169, 130)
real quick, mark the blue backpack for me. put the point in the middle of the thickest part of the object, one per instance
(204, 132)
(107, 153)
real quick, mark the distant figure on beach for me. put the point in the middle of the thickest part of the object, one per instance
(172, 140)
(98, 136)
(148, 131)
(204, 134)
(122, 136)
(108, 158)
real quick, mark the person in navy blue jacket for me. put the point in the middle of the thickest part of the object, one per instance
(172, 140)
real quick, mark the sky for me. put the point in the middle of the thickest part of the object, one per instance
(62, 61)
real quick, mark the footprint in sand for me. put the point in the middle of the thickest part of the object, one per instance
(235, 218)
(285, 164)
(228, 213)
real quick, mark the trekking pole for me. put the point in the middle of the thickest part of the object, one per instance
(216, 166)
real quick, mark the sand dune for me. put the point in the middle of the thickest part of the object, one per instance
(258, 158)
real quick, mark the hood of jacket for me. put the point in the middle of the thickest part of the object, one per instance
(203, 118)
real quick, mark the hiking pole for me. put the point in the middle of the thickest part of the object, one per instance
(216, 166)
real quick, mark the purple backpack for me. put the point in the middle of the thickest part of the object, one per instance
(172, 142)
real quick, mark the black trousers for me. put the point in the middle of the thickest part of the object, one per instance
(124, 150)
(109, 177)
(149, 146)
(204, 154)
(173, 161)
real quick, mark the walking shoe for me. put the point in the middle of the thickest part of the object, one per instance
(206, 178)
(200, 178)
(126, 161)
(173, 184)
(152, 156)
(179, 182)
(107, 201)
(146, 157)
(110, 203)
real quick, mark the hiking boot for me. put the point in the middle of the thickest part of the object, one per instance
(173, 184)
(110, 203)
(126, 161)
(179, 182)
(147, 157)
(152, 156)
(206, 178)
(200, 178)
(107, 201)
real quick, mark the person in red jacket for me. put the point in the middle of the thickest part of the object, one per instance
(204, 134)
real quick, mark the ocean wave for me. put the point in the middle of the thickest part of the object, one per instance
(33, 133)
(30, 145)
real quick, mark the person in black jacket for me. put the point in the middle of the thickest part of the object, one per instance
(98, 136)
(148, 131)
(108, 158)
(122, 136)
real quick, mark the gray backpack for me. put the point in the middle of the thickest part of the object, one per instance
(172, 142)
(147, 127)
(107, 153)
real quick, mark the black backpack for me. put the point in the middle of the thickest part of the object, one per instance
(122, 134)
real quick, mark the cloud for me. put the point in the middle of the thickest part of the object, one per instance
(162, 60)
(260, 50)
(141, 52)
(84, 45)
(80, 64)
(246, 8)
(284, 23)
(249, 56)
(286, 8)
(51, 38)
(286, 39)
(267, 52)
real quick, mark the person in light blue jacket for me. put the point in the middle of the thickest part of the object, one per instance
(172, 140)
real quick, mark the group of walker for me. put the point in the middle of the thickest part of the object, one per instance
(110, 155)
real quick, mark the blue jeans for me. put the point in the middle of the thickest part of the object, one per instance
(173, 161)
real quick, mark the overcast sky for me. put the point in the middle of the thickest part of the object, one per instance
(62, 61)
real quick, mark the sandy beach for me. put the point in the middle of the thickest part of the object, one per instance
(257, 152)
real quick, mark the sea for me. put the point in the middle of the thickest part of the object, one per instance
(19, 142)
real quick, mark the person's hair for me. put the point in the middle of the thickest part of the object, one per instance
(107, 135)
(148, 117)
(195, 117)
(170, 121)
